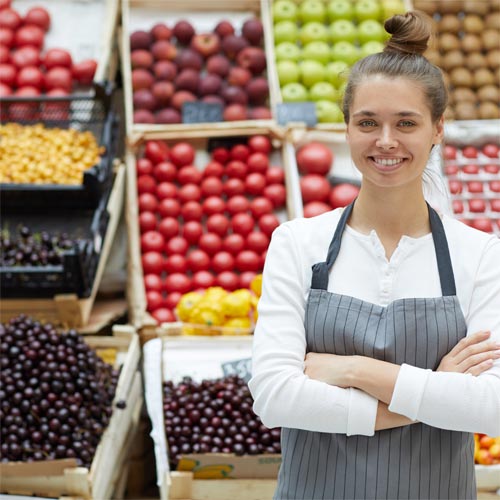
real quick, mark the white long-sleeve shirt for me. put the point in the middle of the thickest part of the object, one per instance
(285, 397)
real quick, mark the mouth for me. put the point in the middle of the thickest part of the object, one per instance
(387, 164)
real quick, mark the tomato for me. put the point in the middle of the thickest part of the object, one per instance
(233, 187)
(59, 78)
(218, 224)
(236, 169)
(152, 262)
(268, 223)
(220, 155)
(152, 241)
(494, 186)
(30, 76)
(156, 151)
(260, 206)
(455, 187)
(258, 162)
(255, 184)
(451, 169)
(169, 227)
(470, 169)
(469, 152)
(222, 261)
(165, 190)
(343, 194)
(313, 208)
(491, 150)
(450, 152)
(192, 231)
(154, 300)
(248, 260)
(475, 187)
(163, 315)
(210, 243)
(8, 73)
(276, 193)
(143, 166)
(314, 158)
(26, 56)
(189, 175)
(257, 241)
(240, 152)
(198, 260)
(228, 280)
(260, 144)
(147, 202)
(189, 192)
(169, 207)
(211, 186)
(29, 35)
(6, 38)
(242, 223)
(314, 187)
(176, 263)
(165, 171)
(182, 154)
(57, 57)
(213, 169)
(38, 16)
(275, 175)
(147, 221)
(10, 19)
(458, 206)
(233, 243)
(246, 278)
(477, 205)
(192, 211)
(483, 224)
(177, 244)
(203, 279)
(152, 282)
(213, 205)
(83, 71)
(237, 204)
(495, 205)
(492, 169)
(5, 91)
(146, 184)
(172, 299)
(177, 282)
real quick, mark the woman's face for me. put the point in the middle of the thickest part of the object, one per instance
(390, 131)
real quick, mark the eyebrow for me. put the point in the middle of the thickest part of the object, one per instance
(401, 113)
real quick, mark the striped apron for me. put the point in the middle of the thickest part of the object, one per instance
(414, 461)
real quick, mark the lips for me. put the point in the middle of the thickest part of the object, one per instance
(387, 164)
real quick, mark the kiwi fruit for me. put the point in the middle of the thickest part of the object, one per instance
(451, 6)
(428, 6)
(489, 111)
(475, 60)
(466, 111)
(471, 43)
(433, 56)
(452, 59)
(473, 24)
(479, 7)
(493, 20)
(449, 23)
(461, 77)
(448, 41)
(482, 77)
(493, 58)
(490, 39)
(463, 94)
(489, 93)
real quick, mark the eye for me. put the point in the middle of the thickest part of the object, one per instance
(367, 123)
(406, 123)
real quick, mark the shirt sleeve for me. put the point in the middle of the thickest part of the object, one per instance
(283, 395)
(457, 401)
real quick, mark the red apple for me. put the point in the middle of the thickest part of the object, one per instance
(253, 59)
(253, 31)
(161, 31)
(189, 58)
(163, 50)
(258, 91)
(224, 28)
(165, 70)
(235, 112)
(218, 65)
(140, 39)
(168, 115)
(183, 31)
(206, 44)
(141, 79)
(180, 97)
(232, 45)
(141, 58)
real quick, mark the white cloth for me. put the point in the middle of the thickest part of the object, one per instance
(285, 396)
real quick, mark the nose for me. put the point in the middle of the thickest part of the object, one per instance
(386, 139)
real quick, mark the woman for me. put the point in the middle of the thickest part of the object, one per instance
(364, 351)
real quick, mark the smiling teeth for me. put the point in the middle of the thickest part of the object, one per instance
(388, 162)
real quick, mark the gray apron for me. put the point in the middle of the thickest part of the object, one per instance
(414, 461)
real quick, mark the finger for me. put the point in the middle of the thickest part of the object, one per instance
(468, 341)
(480, 368)
(476, 349)
(477, 359)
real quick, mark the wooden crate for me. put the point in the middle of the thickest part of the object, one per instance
(61, 477)
(68, 310)
(148, 13)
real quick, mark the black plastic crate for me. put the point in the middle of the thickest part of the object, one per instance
(82, 112)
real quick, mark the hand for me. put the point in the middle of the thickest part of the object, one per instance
(471, 355)
(329, 368)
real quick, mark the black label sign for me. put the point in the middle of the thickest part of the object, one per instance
(201, 112)
(241, 367)
(297, 112)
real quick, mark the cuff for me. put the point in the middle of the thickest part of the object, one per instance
(362, 413)
(408, 391)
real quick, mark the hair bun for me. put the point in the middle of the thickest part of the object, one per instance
(409, 32)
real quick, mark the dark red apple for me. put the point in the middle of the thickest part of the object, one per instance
(257, 90)
(141, 79)
(214, 99)
(209, 84)
(260, 113)
(140, 39)
(239, 76)
(141, 58)
(163, 91)
(188, 58)
(144, 99)
(206, 44)
(165, 70)
(253, 31)
(168, 115)
(180, 97)
(234, 95)
(143, 116)
(163, 50)
(188, 79)
(183, 31)
(224, 28)
(253, 59)
(233, 44)
(161, 31)
(235, 112)
(218, 65)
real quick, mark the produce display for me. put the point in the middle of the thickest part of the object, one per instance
(467, 48)
(35, 154)
(486, 449)
(214, 416)
(205, 223)
(56, 393)
(26, 70)
(473, 175)
(316, 42)
(178, 64)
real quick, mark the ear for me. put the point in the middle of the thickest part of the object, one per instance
(439, 134)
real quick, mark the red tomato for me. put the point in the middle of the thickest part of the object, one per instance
(451, 169)
(10, 19)
(147, 202)
(248, 260)
(257, 241)
(211, 186)
(276, 193)
(38, 16)
(144, 167)
(210, 243)
(165, 190)
(233, 187)
(172, 299)
(470, 169)
(5, 54)
(260, 206)
(450, 152)
(203, 279)
(255, 184)
(152, 241)
(58, 78)
(8, 74)
(30, 76)
(213, 169)
(165, 171)
(475, 187)
(483, 224)
(169, 207)
(236, 169)
(176, 244)
(491, 150)
(233, 243)
(246, 278)
(222, 261)
(5, 91)
(469, 152)
(57, 57)
(343, 194)
(314, 208)
(152, 282)
(314, 187)
(26, 56)
(189, 192)
(177, 282)
(268, 223)
(146, 184)
(455, 187)
(275, 175)
(154, 300)
(156, 151)
(260, 143)
(240, 152)
(214, 205)
(84, 71)
(314, 158)
(6, 39)
(492, 169)
(220, 155)
(237, 204)
(147, 221)
(182, 154)
(458, 206)
(228, 280)
(192, 211)
(163, 315)
(189, 175)
(495, 205)
(477, 205)
(169, 227)
(198, 260)
(258, 162)
(494, 186)
(152, 262)
(218, 224)
(192, 231)
(242, 223)
(176, 263)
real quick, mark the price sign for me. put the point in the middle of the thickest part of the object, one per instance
(297, 112)
(201, 112)
(241, 367)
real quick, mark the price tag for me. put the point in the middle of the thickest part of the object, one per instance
(297, 112)
(201, 112)
(241, 367)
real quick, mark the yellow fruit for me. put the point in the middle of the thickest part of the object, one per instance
(495, 451)
(484, 457)
(236, 304)
(215, 292)
(237, 326)
(256, 285)
(186, 304)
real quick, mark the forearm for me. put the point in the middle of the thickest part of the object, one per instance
(389, 420)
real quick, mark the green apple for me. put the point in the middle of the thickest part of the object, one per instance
(345, 51)
(372, 47)
(367, 9)
(328, 112)
(323, 91)
(288, 72)
(285, 31)
(284, 10)
(311, 72)
(340, 9)
(294, 92)
(371, 30)
(391, 8)
(287, 51)
(313, 32)
(343, 29)
(312, 10)
(337, 73)
(318, 51)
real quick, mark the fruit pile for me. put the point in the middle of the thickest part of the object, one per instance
(467, 48)
(316, 42)
(207, 224)
(171, 66)
(56, 394)
(474, 184)
(214, 416)
(27, 71)
(486, 449)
